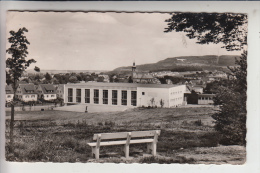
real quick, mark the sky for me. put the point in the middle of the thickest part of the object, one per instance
(102, 41)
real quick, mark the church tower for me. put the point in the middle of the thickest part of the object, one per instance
(133, 72)
(133, 67)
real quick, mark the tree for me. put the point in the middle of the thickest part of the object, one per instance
(227, 28)
(231, 119)
(48, 77)
(162, 103)
(15, 66)
(130, 79)
(231, 30)
(213, 87)
(73, 79)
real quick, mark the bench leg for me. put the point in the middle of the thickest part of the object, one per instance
(95, 151)
(153, 149)
(126, 151)
(149, 148)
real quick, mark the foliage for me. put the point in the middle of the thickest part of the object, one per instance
(231, 119)
(152, 101)
(130, 80)
(213, 87)
(163, 160)
(48, 77)
(227, 28)
(16, 65)
(73, 79)
(162, 102)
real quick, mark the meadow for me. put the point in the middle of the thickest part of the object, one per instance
(187, 136)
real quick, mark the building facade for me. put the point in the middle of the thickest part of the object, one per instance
(46, 91)
(205, 99)
(201, 99)
(60, 91)
(124, 94)
(26, 92)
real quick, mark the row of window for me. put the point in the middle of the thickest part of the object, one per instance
(28, 96)
(51, 95)
(105, 96)
(175, 99)
(205, 98)
(177, 92)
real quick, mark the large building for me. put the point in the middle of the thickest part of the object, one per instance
(124, 94)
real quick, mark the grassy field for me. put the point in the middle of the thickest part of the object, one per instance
(187, 136)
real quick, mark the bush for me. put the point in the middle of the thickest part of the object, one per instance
(163, 160)
(198, 122)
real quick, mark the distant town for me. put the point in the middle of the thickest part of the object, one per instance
(49, 86)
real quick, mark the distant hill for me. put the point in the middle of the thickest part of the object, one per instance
(66, 71)
(186, 63)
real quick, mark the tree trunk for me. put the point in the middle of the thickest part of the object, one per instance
(12, 129)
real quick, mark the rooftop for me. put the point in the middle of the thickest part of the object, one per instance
(131, 85)
(27, 88)
(9, 89)
(48, 88)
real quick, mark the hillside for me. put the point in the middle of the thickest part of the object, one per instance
(186, 63)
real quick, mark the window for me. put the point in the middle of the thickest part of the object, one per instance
(52, 95)
(143, 93)
(87, 95)
(8, 96)
(96, 96)
(78, 95)
(105, 96)
(124, 98)
(70, 95)
(33, 96)
(133, 98)
(114, 97)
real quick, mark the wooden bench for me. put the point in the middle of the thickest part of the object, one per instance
(136, 137)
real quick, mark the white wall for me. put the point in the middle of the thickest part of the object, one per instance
(49, 96)
(176, 95)
(149, 93)
(29, 97)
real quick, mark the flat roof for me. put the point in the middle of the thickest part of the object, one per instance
(133, 85)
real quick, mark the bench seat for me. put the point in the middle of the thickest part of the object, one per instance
(135, 141)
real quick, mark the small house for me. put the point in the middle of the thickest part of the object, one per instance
(26, 92)
(46, 91)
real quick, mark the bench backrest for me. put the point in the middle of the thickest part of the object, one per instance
(123, 135)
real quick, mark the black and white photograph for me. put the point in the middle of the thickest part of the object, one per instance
(126, 87)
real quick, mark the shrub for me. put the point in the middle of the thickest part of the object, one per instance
(198, 122)
(163, 160)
